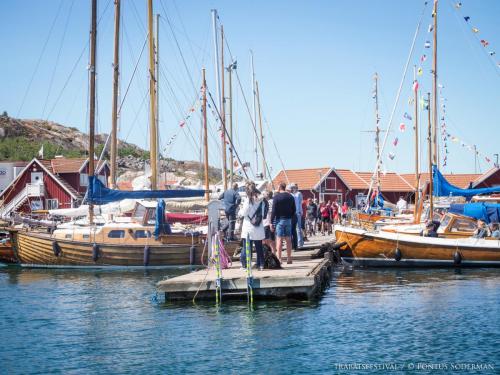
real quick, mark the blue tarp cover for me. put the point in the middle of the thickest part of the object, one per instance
(442, 188)
(99, 194)
(161, 226)
(488, 212)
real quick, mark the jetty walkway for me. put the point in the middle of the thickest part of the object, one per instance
(305, 278)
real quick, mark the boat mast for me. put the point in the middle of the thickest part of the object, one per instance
(157, 90)
(231, 154)
(254, 115)
(377, 132)
(223, 111)
(264, 176)
(205, 133)
(429, 133)
(114, 110)
(153, 133)
(217, 72)
(417, 174)
(434, 90)
(93, 44)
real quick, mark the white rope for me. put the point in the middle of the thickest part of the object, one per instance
(395, 104)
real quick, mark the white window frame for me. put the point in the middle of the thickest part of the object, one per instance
(49, 204)
(84, 179)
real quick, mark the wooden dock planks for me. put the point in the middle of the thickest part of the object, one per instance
(304, 279)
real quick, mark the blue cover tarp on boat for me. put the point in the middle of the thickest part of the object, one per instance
(442, 188)
(99, 194)
(488, 212)
(161, 226)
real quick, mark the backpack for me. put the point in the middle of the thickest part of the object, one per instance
(271, 261)
(257, 217)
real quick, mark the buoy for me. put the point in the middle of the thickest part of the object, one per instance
(56, 249)
(192, 255)
(398, 255)
(457, 258)
(147, 251)
(95, 252)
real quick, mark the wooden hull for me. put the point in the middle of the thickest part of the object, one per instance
(369, 217)
(370, 249)
(36, 249)
(7, 254)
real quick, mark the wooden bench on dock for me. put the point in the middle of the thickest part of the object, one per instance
(305, 278)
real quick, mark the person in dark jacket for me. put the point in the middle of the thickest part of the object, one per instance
(281, 218)
(232, 200)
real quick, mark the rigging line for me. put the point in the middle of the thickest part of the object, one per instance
(40, 58)
(133, 75)
(136, 115)
(229, 137)
(396, 101)
(462, 27)
(186, 34)
(179, 48)
(75, 65)
(58, 57)
(244, 99)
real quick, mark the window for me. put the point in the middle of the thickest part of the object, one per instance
(84, 179)
(102, 179)
(52, 204)
(68, 236)
(142, 234)
(463, 225)
(116, 234)
(86, 236)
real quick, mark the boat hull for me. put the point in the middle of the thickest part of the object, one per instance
(370, 249)
(7, 253)
(37, 249)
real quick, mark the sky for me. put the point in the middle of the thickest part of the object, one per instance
(314, 62)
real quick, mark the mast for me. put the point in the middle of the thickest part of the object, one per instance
(231, 152)
(429, 133)
(377, 132)
(261, 134)
(217, 71)
(417, 174)
(157, 89)
(434, 90)
(254, 115)
(114, 110)
(153, 136)
(93, 44)
(205, 133)
(223, 111)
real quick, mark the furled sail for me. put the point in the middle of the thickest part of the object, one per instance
(442, 188)
(99, 194)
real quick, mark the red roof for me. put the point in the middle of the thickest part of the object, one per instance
(306, 179)
(73, 165)
(351, 179)
(48, 165)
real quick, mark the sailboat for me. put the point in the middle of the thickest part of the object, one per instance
(361, 247)
(143, 239)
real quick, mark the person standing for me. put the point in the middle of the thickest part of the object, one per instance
(311, 215)
(253, 214)
(345, 209)
(297, 195)
(281, 218)
(270, 239)
(232, 200)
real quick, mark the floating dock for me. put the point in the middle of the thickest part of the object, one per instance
(304, 279)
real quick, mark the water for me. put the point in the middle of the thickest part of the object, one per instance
(82, 322)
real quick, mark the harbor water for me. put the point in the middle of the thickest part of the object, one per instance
(100, 321)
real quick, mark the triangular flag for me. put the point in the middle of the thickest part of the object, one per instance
(420, 71)
(484, 42)
(40, 152)
(427, 44)
(395, 142)
(466, 18)
(182, 123)
(475, 30)
(430, 28)
(402, 128)
(458, 5)
(423, 58)
(407, 116)
(391, 155)
(415, 85)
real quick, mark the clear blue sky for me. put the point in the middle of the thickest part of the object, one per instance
(314, 61)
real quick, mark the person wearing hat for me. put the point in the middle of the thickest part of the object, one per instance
(482, 230)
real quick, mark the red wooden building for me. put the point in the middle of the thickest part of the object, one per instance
(346, 185)
(49, 184)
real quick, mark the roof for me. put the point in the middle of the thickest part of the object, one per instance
(46, 165)
(352, 180)
(73, 165)
(460, 180)
(306, 179)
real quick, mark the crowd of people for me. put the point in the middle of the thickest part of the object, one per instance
(274, 219)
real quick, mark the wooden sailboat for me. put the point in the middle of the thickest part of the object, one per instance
(123, 242)
(395, 249)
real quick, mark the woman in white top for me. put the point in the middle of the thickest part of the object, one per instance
(254, 233)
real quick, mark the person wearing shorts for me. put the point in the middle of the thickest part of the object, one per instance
(281, 220)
